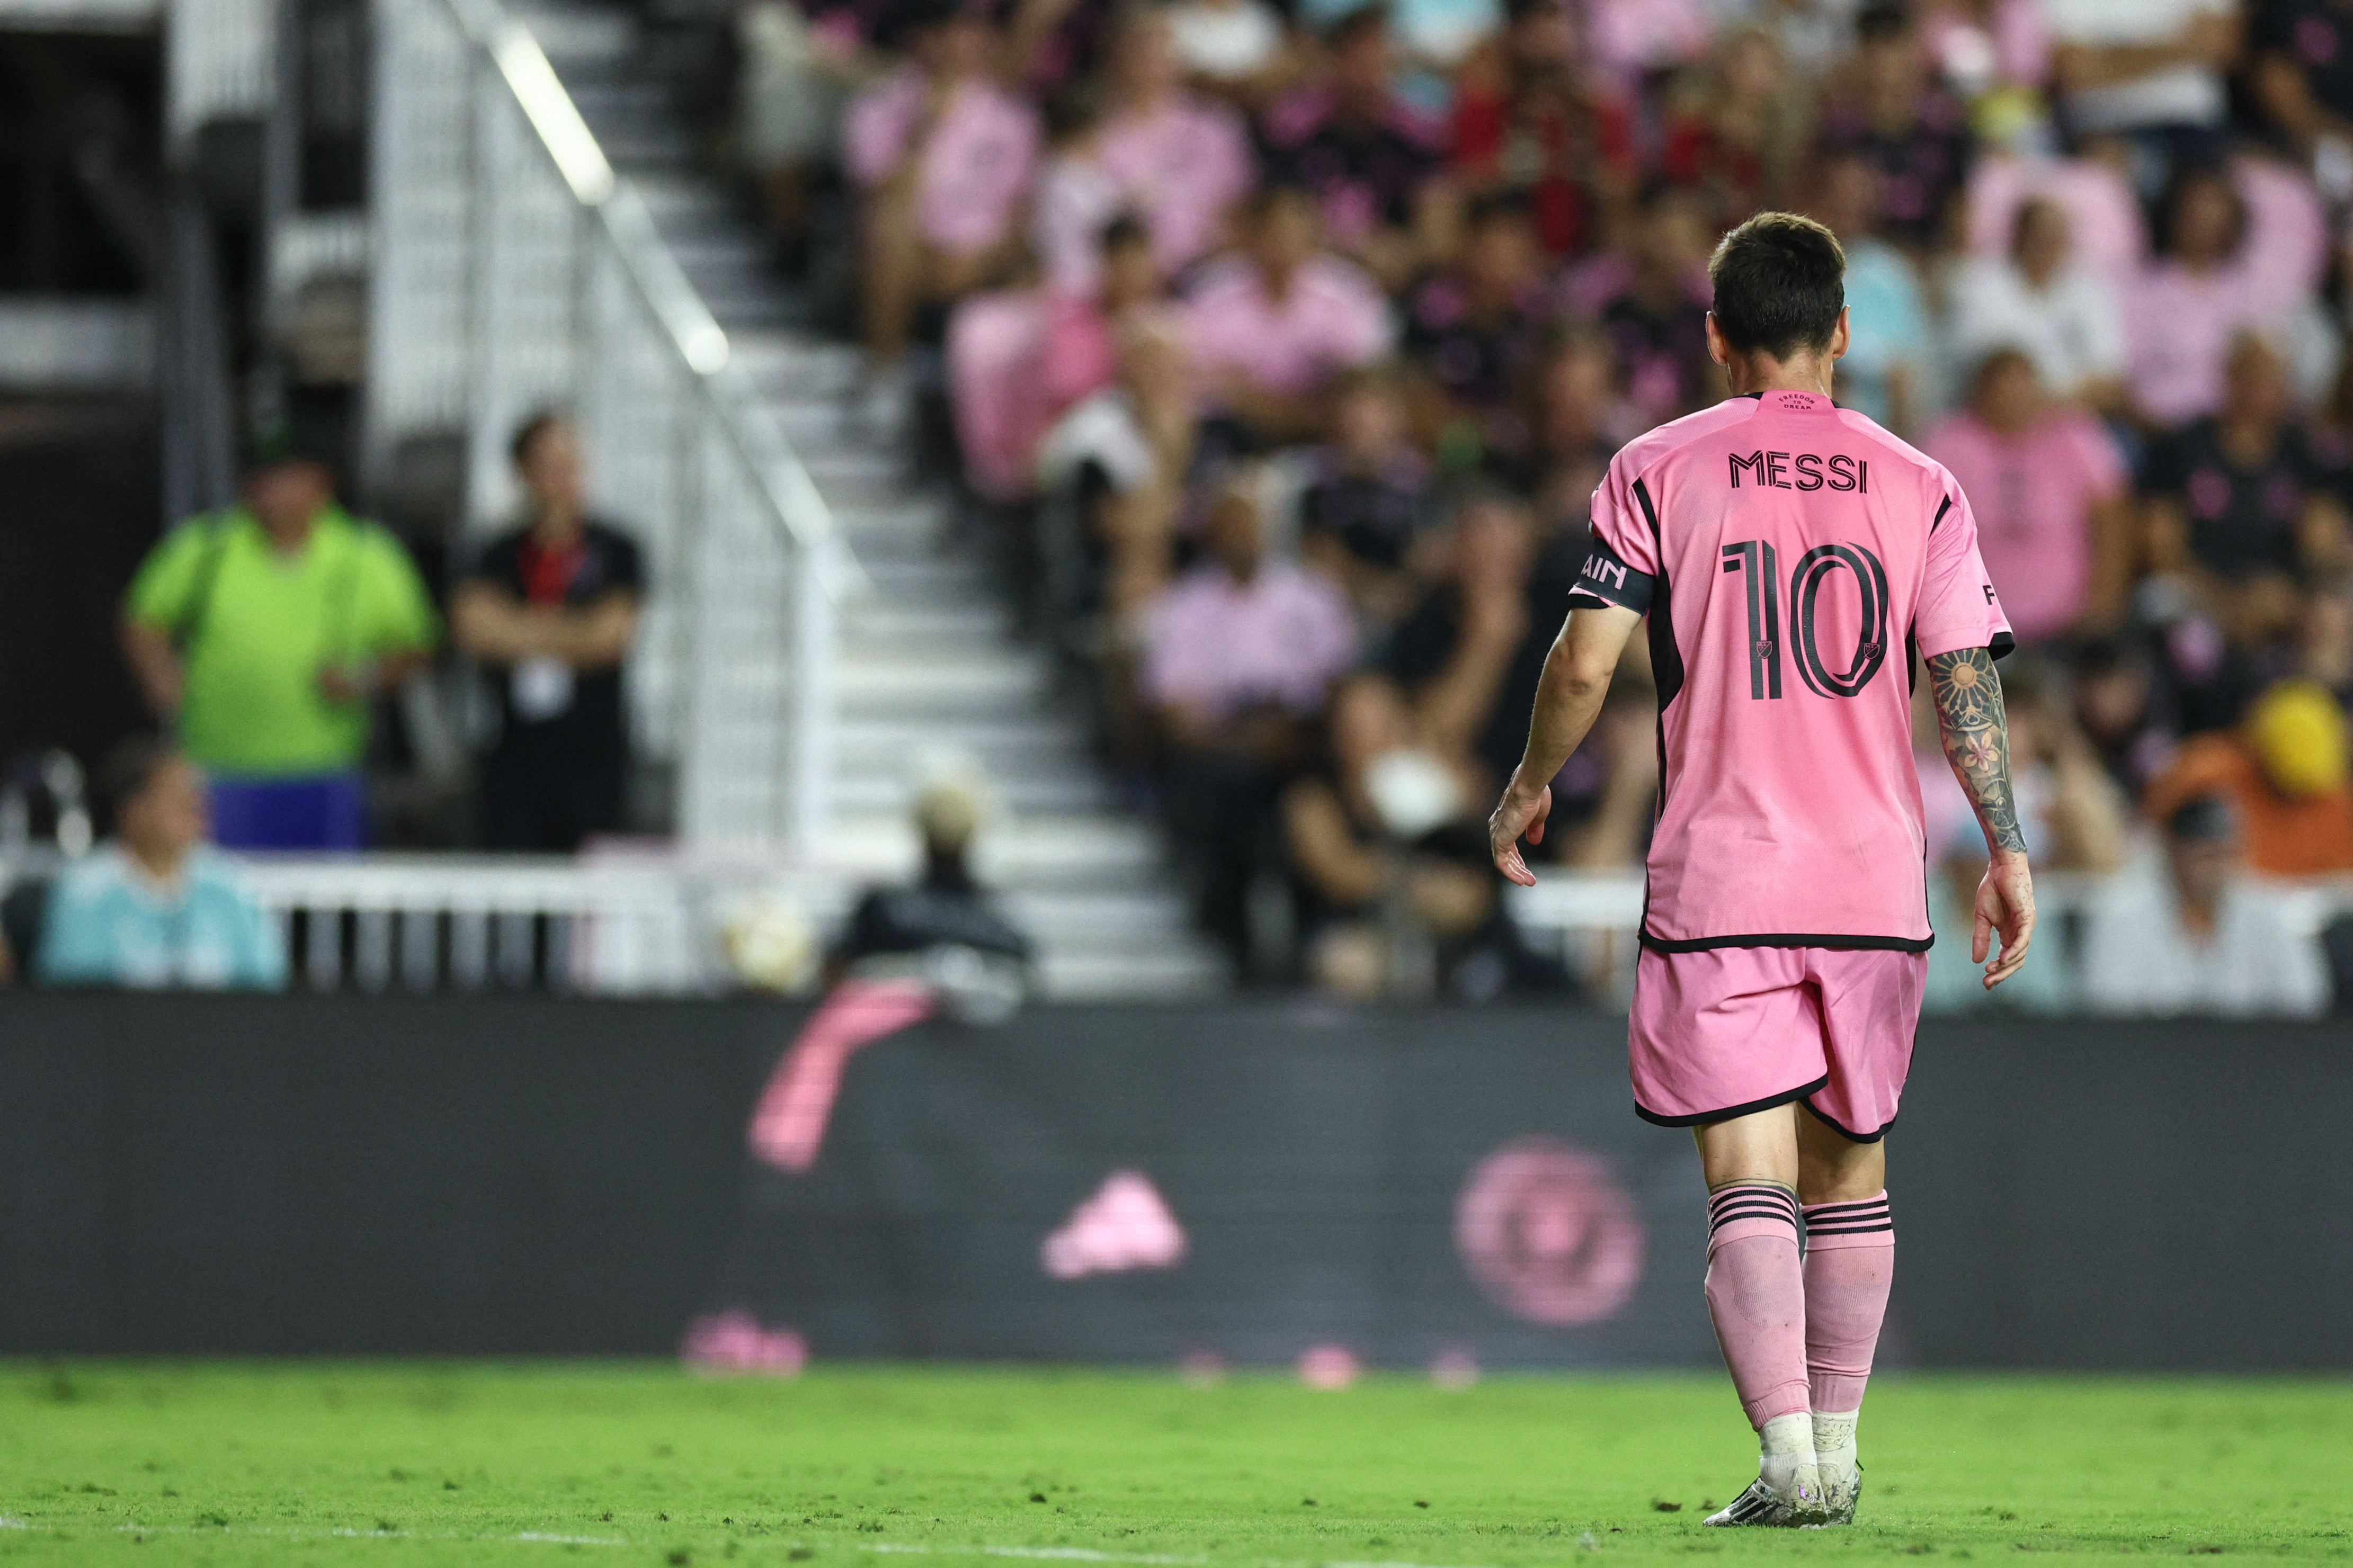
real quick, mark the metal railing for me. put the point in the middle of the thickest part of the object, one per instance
(511, 269)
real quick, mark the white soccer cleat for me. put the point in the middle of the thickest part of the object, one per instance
(1762, 1505)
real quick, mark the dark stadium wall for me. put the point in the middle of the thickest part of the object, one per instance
(505, 1176)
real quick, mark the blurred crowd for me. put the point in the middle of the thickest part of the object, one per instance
(1288, 338)
(1280, 347)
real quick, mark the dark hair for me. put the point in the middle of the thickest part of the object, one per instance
(1881, 20)
(528, 433)
(129, 767)
(2207, 819)
(1074, 107)
(2027, 210)
(1124, 230)
(1996, 361)
(2187, 178)
(1780, 283)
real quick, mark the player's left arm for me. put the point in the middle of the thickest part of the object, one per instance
(1576, 675)
(1976, 731)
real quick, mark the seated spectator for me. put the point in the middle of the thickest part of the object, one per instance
(552, 609)
(1475, 636)
(2284, 772)
(1386, 851)
(2065, 318)
(2051, 499)
(1077, 197)
(1366, 518)
(1736, 129)
(1181, 163)
(2199, 936)
(2243, 497)
(799, 64)
(1374, 164)
(2218, 274)
(1267, 329)
(1474, 330)
(1525, 121)
(1575, 424)
(1653, 301)
(2302, 77)
(945, 156)
(262, 635)
(2121, 710)
(154, 907)
(1887, 373)
(1113, 375)
(2149, 72)
(1238, 659)
(1910, 131)
(945, 929)
(2107, 233)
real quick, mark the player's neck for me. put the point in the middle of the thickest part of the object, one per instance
(1753, 373)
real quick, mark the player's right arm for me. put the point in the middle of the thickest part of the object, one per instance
(1976, 731)
(1576, 675)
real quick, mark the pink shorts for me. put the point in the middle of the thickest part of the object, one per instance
(1725, 1031)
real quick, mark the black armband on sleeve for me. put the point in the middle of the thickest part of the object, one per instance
(1606, 580)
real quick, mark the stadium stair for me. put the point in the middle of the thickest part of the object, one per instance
(930, 661)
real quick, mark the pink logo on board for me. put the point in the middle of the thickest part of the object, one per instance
(1548, 1233)
(1126, 1224)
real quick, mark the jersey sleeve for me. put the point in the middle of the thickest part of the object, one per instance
(1621, 555)
(1959, 608)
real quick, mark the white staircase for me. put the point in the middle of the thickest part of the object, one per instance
(929, 662)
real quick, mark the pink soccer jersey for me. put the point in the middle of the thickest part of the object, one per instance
(1792, 556)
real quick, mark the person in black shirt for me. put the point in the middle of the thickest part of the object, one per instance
(552, 608)
(2243, 494)
(1368, 514)
(1475, 331)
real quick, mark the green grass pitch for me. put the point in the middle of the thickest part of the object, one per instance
(888, 1467)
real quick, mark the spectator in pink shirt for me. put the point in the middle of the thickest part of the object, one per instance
(1181, 160)
(944, 156)
(2051, 499)
(2226, 264)
(1239, 658)
(1268, 328)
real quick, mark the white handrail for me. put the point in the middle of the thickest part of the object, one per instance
(694, 332)
(505, 277)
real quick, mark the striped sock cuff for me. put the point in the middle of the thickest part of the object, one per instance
(1868, 1222)
(1750, 1208)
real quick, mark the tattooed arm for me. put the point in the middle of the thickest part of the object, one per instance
(1976, 733)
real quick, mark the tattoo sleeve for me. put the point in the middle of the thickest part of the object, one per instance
(1977, 739)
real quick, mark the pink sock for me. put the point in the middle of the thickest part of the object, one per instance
(1756, 1294)
(1850, 1263)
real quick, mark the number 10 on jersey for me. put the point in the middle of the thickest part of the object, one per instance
(1754, 561)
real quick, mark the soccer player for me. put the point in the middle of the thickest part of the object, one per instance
(1795, 562)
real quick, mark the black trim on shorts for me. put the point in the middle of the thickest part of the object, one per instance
(1851, 1137)
(1792, 939)
(1754, 1106)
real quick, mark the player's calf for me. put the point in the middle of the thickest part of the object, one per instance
(1755, 1296)
(1849, 1264)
